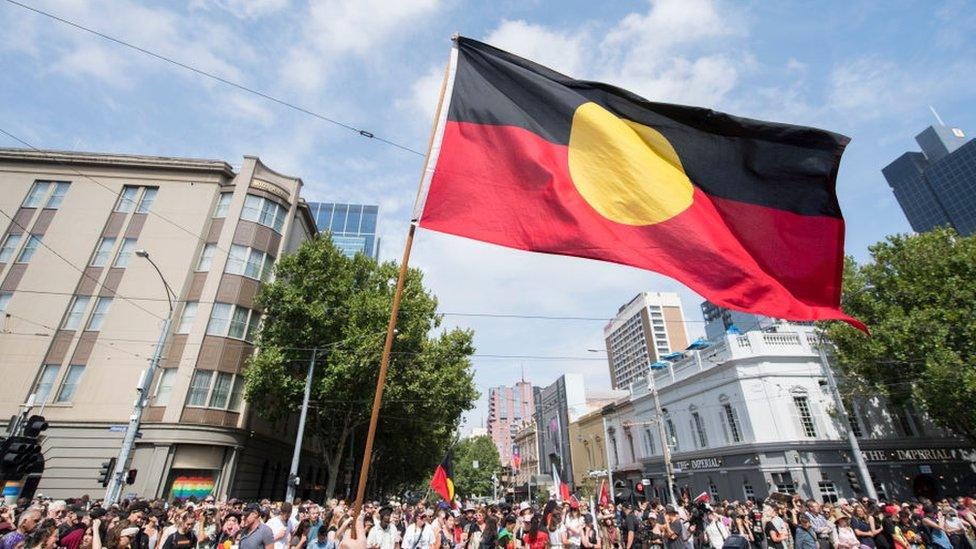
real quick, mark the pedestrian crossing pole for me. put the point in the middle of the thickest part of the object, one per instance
(395, 309)
(862, 466)
(293, 479)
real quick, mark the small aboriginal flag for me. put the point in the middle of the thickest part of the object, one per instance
(742, 211)
(443, 480)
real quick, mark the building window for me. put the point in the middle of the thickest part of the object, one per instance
(29, 248)
(806, 418)
(879, 488)
(234, 321)
(9, 247)
(221, 390)
(236, 394)
(672, 432)
(206, 257)
(700, 430)
(633, 452)
(223, 204)
(733, 421)
(148, 197)
(125, 253)
(187, 317)
(60, 190)
(102, 252)
(748, 491)
(650, 442)
(45, 382)
(852, 422)
(784, 483)
(828, 492)
(36, 194)
(127, 200)
(165, 386)
(199, 387)
(613, 446)
(4, 300)
(713, 491)
(70, 382)
(76, 312)
(98, 315)
(264, 211)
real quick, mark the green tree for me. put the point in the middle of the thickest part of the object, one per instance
(918, 297)
(322, 299)
(471, 481)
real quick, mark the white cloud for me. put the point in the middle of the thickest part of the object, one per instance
(334, 29)
(424, 93)
(244, 9)
(562, 51)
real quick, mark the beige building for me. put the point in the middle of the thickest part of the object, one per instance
(82, 314)
(527, 442)
(649, 326)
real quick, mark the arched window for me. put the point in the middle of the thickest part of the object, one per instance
(730, 419)
(804, 412)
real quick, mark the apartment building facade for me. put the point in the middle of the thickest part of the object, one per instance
(82, 314)
(645, 328)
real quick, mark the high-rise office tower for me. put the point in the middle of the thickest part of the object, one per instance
(353, 226)
(508, 407)
(937, 187)
(646, 328)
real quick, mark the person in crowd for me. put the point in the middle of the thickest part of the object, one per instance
(716, 532)
(419, 534)
(383, 534)
(846, 537)
(805, 537)
(184, 537)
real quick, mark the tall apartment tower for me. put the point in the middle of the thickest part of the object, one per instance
(937, 186)
(81, 314)
(647, 327)
(508, 407)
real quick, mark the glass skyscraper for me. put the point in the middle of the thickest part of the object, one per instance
(353, 226)
(937, 186)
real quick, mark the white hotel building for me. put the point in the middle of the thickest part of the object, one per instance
(752, 414)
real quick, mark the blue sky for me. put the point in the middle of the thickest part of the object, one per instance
(866, 69)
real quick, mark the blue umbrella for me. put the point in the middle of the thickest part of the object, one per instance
(677, 355)
(732, 330)
(698, 344)
(659, 365)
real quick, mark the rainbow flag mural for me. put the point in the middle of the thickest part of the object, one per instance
(186, 486)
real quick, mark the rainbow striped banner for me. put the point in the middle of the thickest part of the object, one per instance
(185, 486)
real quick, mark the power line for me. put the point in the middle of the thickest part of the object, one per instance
(362, 132)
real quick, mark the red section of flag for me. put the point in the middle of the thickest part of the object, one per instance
(703, 497)
(509, 186)
(442, 484)
(604, 493)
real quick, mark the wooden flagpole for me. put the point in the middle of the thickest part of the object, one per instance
(391, 326)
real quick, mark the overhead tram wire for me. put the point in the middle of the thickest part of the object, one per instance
(362, 132)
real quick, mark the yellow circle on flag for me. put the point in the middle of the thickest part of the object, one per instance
(628, 172)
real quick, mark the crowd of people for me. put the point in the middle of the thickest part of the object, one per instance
(777, 523)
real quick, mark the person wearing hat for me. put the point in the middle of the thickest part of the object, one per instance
(255, 534)
(846, 538)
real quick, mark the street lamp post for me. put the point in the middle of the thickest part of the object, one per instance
(606, 444)
(142, 398)
(662, 431)
(293, 479)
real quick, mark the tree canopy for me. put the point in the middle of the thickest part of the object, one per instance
(918, 297)
(321, 299)
(468, 479)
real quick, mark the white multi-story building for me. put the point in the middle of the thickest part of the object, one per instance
(752, 415)
(646, 328)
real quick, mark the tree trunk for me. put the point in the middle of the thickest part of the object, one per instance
(333, 459)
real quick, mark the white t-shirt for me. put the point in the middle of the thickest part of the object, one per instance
(556, 537)
(277, 526)
(411, 535)
(577, 525)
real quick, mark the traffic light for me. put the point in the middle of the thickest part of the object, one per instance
(130, 477)
(854, 481)
(34, 426)
(105, 473)
(18, 456)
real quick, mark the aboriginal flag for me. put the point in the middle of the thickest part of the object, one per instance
(443, 480)
(742, 211)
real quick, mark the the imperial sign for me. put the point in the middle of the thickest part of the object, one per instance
(916, 454)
